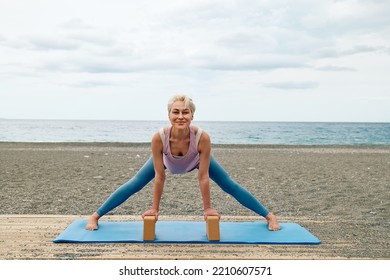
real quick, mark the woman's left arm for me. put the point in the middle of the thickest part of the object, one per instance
(204, 149)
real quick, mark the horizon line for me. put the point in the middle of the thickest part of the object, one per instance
(135, 120)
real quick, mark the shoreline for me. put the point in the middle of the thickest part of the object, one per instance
(147, 144)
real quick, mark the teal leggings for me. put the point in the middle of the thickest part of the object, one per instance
(216, 173)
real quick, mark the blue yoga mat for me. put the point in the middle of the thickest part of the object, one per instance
(188, 232)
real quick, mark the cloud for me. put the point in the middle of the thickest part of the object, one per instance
(335, 68)
(255, 64)
(292, 85)
(71, 40)
(360, 49)
(208, 46)
(78, 30)
(75, 24)
(90, 84)
(337, 52)
(96, 67)
(209, 35)
(51, 43)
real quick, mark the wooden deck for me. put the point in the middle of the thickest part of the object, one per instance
(26, 237)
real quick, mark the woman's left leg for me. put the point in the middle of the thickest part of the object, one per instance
(227, 184)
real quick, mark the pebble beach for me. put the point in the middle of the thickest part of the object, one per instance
(339, 193)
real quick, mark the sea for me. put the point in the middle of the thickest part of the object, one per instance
(125, 131)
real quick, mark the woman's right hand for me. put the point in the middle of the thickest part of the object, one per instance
(150, 212)
(211, 212)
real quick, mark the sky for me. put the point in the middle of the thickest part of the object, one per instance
(246, 60)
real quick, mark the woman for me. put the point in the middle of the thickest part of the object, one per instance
(181, 148)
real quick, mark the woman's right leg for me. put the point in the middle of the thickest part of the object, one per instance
(135, 184)
(120, 195)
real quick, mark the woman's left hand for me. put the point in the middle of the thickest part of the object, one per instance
(211, 212)
(151, 212)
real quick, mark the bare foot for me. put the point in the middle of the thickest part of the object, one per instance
(272, 222)
(93, 222)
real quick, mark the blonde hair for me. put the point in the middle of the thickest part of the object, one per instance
(180, 97)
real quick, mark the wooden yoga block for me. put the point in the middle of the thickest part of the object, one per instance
(149, 228)
(212, 228)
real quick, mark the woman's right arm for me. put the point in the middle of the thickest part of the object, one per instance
(159, 177)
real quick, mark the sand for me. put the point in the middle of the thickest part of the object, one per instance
(339, 193)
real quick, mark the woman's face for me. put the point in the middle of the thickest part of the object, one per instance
(180, 115)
